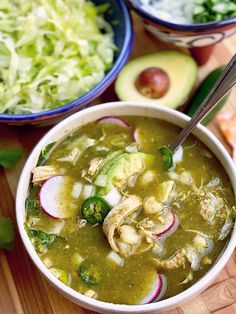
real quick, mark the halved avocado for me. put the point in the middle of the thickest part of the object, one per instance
(180, 68)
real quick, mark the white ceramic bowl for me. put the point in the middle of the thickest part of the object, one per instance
(123, 108)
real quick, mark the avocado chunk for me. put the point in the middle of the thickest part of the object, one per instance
(107, 161)
(121, 168)
(180, 68)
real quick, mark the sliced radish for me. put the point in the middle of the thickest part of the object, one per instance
(113, 120)
(157, 291)
(52, 197)
(136, 136)
(170, 222)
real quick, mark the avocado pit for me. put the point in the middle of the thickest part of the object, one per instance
(153, 82)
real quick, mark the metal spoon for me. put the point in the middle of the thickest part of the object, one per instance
(220, 89)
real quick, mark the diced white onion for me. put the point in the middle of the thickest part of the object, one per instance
(91, 294)
(132, 148)
(178, 155)
(47, 262)
(90, 142)
(112, 256)
(101, 180)
(113, 197)
(173, 175)
(101, 148)
(76, 190)
(87, 190)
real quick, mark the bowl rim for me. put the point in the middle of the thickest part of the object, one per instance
(195, 28)
(96, 90)
(75, 296)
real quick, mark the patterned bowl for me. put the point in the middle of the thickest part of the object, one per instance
(199, 38)
(123, 39)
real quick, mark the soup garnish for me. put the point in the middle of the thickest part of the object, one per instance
(190, 11)
(108, 220)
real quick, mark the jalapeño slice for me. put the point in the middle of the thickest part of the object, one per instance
(94, 209)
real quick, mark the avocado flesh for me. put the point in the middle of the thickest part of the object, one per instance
(106, 163)
(121, 168)
(181, 69)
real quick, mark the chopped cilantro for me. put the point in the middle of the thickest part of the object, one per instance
(44, 154)
(33, 207)
(213, 10)
(40, 239)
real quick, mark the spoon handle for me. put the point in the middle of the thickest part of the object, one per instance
(222, 87)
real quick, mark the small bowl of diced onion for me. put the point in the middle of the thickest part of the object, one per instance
(194, 24)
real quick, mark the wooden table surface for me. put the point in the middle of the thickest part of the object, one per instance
(23, 289)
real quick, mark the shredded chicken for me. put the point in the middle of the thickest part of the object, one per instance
(210, 207)
(148, 235)
(43, 173)
(176, 261)
(116, 216)
(187, 279)
(81, 222)
(72, 157)
(94, 165)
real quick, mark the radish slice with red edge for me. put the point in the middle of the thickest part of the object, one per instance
(157, 291)
(136, 136)
(52, 197)
(113, 120)
(170, 222)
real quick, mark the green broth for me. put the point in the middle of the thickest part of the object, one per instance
(130, 283)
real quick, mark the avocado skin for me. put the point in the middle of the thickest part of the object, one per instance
(201, 94)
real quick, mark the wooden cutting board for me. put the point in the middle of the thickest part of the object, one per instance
(23, 289)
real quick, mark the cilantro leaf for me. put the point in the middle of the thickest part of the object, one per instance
(44, 154)
(6, 234)
(33, 207)
(9, 157)
(213, 10)
(40, 239)
(167, 156)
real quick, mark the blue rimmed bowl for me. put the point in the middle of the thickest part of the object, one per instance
(199, 38)
(123, 34)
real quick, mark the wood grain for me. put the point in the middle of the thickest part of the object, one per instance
(23, 290)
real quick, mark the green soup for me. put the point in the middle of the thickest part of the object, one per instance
(110, 222)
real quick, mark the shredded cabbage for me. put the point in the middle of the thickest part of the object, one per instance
(51, 52)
